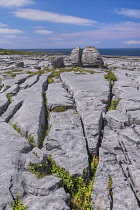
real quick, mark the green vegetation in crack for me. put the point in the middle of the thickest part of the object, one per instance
(61, 108)
(106, 65)
(9, 96)
(75, 112)
(31, 140)
(16, 128)
(110, 186)
(41, 136)
(110, 76)
(18, 205)
(50, 80)
(1, 86)
(55, 73)
(114, 104)
(48, 130)
(13, 74)
(39, 72)
(79, 188)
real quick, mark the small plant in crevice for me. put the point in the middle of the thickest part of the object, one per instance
(110, 76)
(61, 108)
(75, 112)
(110, 188)
(42, 136)
(13, 75)
(49, 80)
(114, 104)
(9, 96)
(18, 205)
(48, 130)
(79, 188)
(31, 140)
(16, 128)
(106, 66)
(1, 86)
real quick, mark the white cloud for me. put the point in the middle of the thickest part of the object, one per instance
(132, 42)
(96, 42)
(128, 12)
(11, 36)
(39, 15)
(43, 32)
(38, 27)
(108, 31)
(3, 25)
(16, 3)
(10, 31)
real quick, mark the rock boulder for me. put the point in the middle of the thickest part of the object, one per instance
(76, 55)
(91, 57)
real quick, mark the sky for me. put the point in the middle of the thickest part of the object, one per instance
(58, 24)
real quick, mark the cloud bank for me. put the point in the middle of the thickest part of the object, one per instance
(10, 31)
(132, 42)
(43, 32)
(15, 3)
(135, 13)
(39, 15)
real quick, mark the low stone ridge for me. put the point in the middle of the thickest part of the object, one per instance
(70, 116)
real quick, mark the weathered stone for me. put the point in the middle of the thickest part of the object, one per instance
(31, 118)
(58, 200)
(76, 55)
(20, 64)
(54, 100)
(6, 97)
(57, 62)
(66, 142)
(12, 160)
(116, 119)
(91, 57)
(88, 98)
(111, 187)
(29, 82)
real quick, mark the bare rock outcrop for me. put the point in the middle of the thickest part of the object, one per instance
(76, 55)
(57, 125)
(91, 57)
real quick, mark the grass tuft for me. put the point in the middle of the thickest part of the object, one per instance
(110, 77)
(114, 104)
(18, 205)
(61, 108)
(16, 128)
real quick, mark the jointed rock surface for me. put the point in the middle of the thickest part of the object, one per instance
(70, 117)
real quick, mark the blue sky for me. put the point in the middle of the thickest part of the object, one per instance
(54, 24)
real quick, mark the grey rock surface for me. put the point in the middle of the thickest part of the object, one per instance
(71, 118)
(57, 62)
(66, 142)
(30, 118)
(91, 57)
(12, 149)
(88, 96)
(76, 55)
(119, 151)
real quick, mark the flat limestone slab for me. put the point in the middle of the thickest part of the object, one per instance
(88, 91)
(31, 118)
(57, 96)
(66, 142)
(12, 148)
